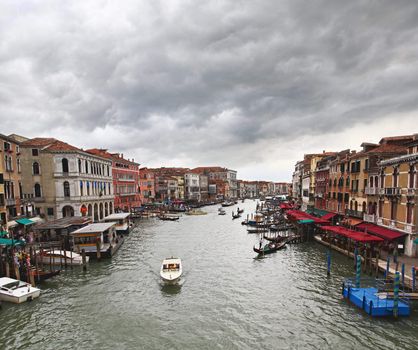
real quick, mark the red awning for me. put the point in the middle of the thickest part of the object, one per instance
(354, 235)
(328, 216)
(380, 231)
(285, 206)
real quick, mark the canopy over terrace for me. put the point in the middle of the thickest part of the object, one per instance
(301, 216)
(285, 206)
(383, 232)
(353, 235)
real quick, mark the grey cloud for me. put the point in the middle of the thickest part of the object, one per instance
(206, 81)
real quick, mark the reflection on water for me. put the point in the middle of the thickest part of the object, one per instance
(172, 289)
(230, 300)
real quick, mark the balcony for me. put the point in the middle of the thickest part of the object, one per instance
(392, 191)
(371, 191)
(10, 201)
(369, 218)
(411, 192)
(37, 199)
(354, 213)
(409, 228)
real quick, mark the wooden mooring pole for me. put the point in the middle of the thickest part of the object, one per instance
(83, 256)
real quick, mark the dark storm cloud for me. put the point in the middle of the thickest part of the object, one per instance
(204, 81)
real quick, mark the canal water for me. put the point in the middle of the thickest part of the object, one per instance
(226, 299)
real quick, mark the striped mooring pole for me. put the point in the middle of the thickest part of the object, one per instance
(396, 294)
(387, 268)
(328, 263)
(403, 274)
(358, 271)
(355, 257)
(413, 278)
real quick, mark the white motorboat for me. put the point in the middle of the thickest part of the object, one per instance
(16, 291)
(221, 211)
(171, 270)
(58, 257)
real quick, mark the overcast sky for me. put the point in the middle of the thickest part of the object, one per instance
(250, 85)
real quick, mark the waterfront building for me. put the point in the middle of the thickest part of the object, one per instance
(147, 185)
(282, 188)
(322, 182)
(12, 176)
(192, 186)
(297, 182)
(263, 188)
(224, 174)
(398, 195)
(252, 189)
(3, 212)
(339, 183)
(204, 187)
(63, 180)
(125, 175)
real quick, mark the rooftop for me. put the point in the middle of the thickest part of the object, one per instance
(95, 228)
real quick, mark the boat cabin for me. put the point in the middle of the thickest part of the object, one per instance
(171, 267)
(100, 237)
(121, 220)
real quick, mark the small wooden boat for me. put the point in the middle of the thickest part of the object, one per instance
(235, 216)
(274, 239)
(40, 275)
(167, 217)
(195, 212)
(270, 248)
(257, 230)
(16, 291)
(171, 270)
(221, 212)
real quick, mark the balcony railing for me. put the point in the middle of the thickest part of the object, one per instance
(10, 201)
(354, 213)
(369, 218)
(392, 191)
(411, 192)
(371, 191)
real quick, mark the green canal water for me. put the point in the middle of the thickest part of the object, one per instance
(226, 299)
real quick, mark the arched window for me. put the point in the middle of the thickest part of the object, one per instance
(66, 189)
(81, 189)
(395, 177)
(355, 206)
(371, 181)
(37, 189)
(88, 187)
(64, 165)
(363, 207)
(411, 176)
(87, 166)
(79, 165)
(35, 168)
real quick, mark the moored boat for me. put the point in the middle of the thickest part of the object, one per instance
(61, 257)
(195, 212)
(168, 217)
(121, 220)
(227, 204)
(16, 291)
(171, 270)
(221, 212)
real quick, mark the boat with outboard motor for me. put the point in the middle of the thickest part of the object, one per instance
(171, 270)
(16, 291)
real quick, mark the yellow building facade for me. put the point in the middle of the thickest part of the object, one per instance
(398, 197)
